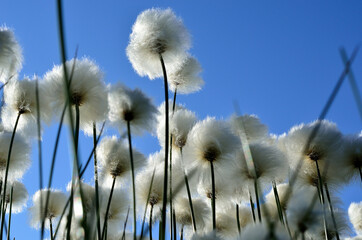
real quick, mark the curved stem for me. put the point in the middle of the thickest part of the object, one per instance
(133, 180)
(332, 212)
(108, 207)
(164, 202)
(238, 217)
(171, 196)
(96, 180)
(213, 202)
(51, 228)
(11, 203)
(148, 197)
(7, 172)
(277, 201)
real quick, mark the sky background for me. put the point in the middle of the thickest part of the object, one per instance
(278, 59)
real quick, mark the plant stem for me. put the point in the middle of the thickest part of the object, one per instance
(148, 197)
(11, 203)
(7, 172)
(133, 180)
(151, 211)
(320, 190)
(331, 209)
(174, 101)
(213, 202)
(182, 233)
(360, 172)
(108, 207)
(171, 197)
(252, 207)
(164, 202)
(51, 228)
(125, 225)
(277, 200)
(257, 198)
(238, 217)
(174, 225)
(96, 179)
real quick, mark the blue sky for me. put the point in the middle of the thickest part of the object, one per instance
(277, 59)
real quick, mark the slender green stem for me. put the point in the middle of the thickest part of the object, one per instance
(51, 228)
(257, 198)
(171, 196)
(331, 210)
(148, 197)
(174, 225)
(69, 217)
(277, 201)
(125, 225)
(320, 191)
(96, 179)
(76, 136)
(133, 180)
(213, 202)
(182, 233)
(164, 202)
(62, 215)
(10, 209)
(7, 172)
(174, 101)
(360, 172)
(252, 207)
(150, 224)
(238, 218)
(303, 236)
(108, 207)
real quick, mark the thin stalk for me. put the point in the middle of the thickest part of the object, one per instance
(174, 225)
(76, 136)
(360, 172)
(213, 202)
(51, 228)
(39, 144)
(189, 195)
(252, 207)
(164, 202)
(133, 180)
(96, 180)
(257, 199)
(125, 225)
(174, 101)
(286, 223)
(320, 190)
(108, 207)
(303, 236)
(69, 217)
(150, 224)
(61, 216)
(238, 217)
(7, 172)
(148, 197)
(11, 204)
(171, 197)
(277, 201)
(331, 210)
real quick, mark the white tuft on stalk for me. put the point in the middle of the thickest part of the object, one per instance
(355, 216)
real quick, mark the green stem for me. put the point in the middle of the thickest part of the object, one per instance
(238, 217)
(277, 200)
(125, 225)
(174, 101)
(96, 179)
(174, 225)
(252, 207)
(108, 207)
(51, 229)
(133, 180)
(182, 233)
(7, 172)
(11, 203)
(257, 199)
(320, 191)
(360, 172)
(148, 197)
(164, 202)
(331, 210)
(213, 202)
(151, 211)
(171, 196)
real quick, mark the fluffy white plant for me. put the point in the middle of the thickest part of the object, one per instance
(157, 32)
(133, 106)
(57, 201)
(20, 98)
(253, 128)
(20, 197)
(87, 91)
(262, 231)
(114, 160)
(355, 216)
(20, 156)
(352, 156)
(11, 57)
(186, 79)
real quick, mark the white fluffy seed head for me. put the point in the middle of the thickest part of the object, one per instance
(57, 201)
(20, 97)
(253, 128)
(157, 31)
(11, 57)
(269, 163)
(181, 123)
(210, 140)
(325, 148)
(186, 79)
(20, 156)
(20, 197)
(352, 156)
(270, 199)
(183, 212)
(205, 236)
(87, 90)
(262, 231)
(88, 195)
(126, 105)
(115, 161)
(355, 216)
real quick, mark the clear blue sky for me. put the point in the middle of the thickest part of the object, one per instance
(278, 59)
